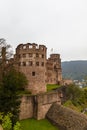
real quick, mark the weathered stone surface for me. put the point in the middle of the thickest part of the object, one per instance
(44, 102)
(33, 62)
(37, 106)
(67, 119)
(26, 107)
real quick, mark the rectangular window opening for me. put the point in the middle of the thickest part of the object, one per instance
(33, 73)
(37, 63)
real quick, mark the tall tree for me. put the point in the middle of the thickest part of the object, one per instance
(5, 55)
(11, 81)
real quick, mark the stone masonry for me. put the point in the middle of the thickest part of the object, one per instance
(33, 62)
(37, 106)
(66, 118)
(53, 69)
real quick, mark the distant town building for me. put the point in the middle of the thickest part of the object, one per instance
(32, 61)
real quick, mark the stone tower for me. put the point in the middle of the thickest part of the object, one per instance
(53, 69)
(32, 62)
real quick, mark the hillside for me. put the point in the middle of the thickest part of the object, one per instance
(76, 70)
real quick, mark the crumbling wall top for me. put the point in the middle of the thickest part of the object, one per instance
(33, 46)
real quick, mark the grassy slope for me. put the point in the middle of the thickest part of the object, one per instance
(32, 124)
(69, 104)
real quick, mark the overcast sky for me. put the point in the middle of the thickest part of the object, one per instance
(58, 24)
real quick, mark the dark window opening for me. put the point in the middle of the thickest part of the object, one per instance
(30, 54)
(42, 64)
(33, 73)
(24, 55)
(37, 63)
(24, 63)
(37, 55)
(42, 56)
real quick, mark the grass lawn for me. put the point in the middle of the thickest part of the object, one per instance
(32, 124)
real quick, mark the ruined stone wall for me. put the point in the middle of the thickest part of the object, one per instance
(66, 119)
(26, 107)
(37, 106)
(44, 102)
(32, 62)
(53, 69)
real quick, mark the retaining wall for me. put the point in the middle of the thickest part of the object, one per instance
(38, 105)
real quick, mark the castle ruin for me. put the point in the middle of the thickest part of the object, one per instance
(33, 62)
(53, 69)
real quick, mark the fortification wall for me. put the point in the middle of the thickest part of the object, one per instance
(31, 59)
(67, 119)
(37, 106)
(32, 62)
(44, 102)
(26, 107)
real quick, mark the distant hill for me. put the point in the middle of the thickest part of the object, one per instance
(76, 70)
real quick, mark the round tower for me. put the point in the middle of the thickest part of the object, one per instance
(32, 62)
(54, 70)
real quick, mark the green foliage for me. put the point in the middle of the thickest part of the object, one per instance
(75, 94)
(7, 122)
(32, 124)
(76, 98)
(52, 87)
(28, 124)
(17, 126)
(24, 92)
(69, 104)
(13, 81)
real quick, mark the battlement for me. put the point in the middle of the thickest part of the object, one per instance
(53, 56)
(31, 47)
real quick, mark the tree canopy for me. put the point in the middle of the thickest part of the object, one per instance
(11, 81)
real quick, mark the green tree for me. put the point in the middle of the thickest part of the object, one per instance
(11, 81)
(5, 55)
(75, 94)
